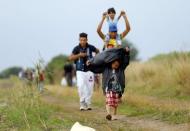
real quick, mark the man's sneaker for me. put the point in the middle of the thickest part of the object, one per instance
(89, 108)
(82, 108)
(109, 117)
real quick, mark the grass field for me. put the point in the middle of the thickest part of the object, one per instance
(157, 97)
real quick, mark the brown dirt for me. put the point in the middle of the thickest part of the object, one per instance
(124, 123)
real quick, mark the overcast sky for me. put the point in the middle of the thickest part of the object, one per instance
(51, 27)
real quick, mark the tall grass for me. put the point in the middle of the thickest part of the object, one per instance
(160, 87)
(164, 76)
(25, 111)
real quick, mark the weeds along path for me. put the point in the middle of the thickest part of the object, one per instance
(96, 117)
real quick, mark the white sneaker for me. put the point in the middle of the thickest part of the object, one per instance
(88, 107)
(82, 108)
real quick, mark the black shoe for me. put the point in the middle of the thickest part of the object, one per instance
(108, 117)
(89, 108)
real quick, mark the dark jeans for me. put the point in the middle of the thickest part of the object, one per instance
(69, 79)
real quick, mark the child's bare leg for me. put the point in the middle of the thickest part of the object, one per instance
(108, 109)
(120, 98)
(114, 113)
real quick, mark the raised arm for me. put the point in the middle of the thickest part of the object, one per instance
(125, 58)
(99, 29)
(97, 51)
(128, 28)
(119, 16)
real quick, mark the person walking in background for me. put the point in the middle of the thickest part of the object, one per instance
(85, 79)
(97, 82)
(69, 73)
(40, 78)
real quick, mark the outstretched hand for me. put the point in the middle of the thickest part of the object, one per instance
(88, 63)
(123, 13)
(104, 15)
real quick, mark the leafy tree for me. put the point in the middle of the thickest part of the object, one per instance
(54, 69)
(134, 51)
(10, 71)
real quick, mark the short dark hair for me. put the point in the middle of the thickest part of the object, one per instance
(83, 35)
(111, 10)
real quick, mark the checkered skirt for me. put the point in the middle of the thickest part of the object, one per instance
(112, 98)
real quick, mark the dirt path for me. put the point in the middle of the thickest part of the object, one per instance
(97, 118)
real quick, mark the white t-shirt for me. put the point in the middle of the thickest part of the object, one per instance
(111, 22)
